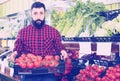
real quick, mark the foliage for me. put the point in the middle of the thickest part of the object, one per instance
(79, 18)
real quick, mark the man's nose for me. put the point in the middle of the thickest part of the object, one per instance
(38, 16)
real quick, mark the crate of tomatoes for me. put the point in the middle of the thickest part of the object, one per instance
(31, 64)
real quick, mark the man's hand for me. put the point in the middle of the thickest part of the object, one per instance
(64, 54)
(11, 58)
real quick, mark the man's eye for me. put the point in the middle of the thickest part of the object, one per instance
(35, 13)
(41, 12)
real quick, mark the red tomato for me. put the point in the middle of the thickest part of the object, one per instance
(117, 74)
(22, 65)
(82, 72)
(117, 66)
(28, 59)
(46, 64)
(30, 55)
(95, 67)
(113, 77)
(92, 76)
(99, 70)
(88, 68)
(21, 58)
(110, 68)
(102, 68)
(30, 65)
(39, 58)
(52, 63)
(78, 76)
(18, 60)
(36, 64)
(49, 57)
(23, 55)
(118, 69)
(117, 79)
(34, 58)
(98, 79)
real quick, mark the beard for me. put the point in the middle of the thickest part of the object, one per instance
(38, 23)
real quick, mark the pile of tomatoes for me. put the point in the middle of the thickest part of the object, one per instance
(92, 73)
(32, 61)
(112, 74)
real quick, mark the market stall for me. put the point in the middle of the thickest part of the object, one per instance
(90, 35)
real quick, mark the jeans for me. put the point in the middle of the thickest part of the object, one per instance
(41, 77)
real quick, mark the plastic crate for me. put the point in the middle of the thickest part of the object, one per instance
(42, 70)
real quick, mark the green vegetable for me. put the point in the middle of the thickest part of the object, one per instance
(79, 18)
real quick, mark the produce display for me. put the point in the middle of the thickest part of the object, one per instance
(89, 67)
(92, 67)
(94, 72)
(82, 19)
(100, 70)
(90, 73)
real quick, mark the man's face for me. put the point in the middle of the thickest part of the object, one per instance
(38, 17)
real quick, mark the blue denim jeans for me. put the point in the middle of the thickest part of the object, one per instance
(41, 77)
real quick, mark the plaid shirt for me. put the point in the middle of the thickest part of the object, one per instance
(46, 40)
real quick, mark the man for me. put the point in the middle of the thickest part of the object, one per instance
(38, 38)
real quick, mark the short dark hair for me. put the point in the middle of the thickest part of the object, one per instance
(38, 5)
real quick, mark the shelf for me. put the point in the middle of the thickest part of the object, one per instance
(91, 39)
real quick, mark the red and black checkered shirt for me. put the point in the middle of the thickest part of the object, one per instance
(46, 40)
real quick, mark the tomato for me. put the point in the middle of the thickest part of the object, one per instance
(117, 74)
(113, 77)
(36, 64)
(18, 60)
(34, 58)
(95, 67)
(52, 63)
(102, 68)
(98, 79)
(117, 66)
(96, 74)
(88, 68)
(86, 72)
(118, 69)
(49, 57)
(27, 59)
(99, 70)
(78, 76)
(117, 79)
(92, 76)
(22, 65)
(110, 68)
(30, 65)
(23, 55)
(21, 58)
(30, 55)
(39, 58)
(81, 71)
